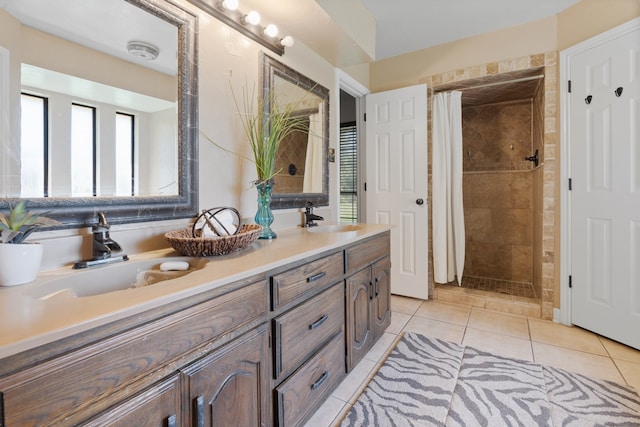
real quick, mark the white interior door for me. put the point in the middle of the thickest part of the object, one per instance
(604, 125)
(396, 179)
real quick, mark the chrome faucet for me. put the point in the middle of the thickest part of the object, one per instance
(104, 247)
(310, 217)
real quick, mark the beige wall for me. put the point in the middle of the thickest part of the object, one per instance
(515, 42)
(580, 22)
(591, 17)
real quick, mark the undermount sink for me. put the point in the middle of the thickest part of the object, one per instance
(337, 228)
(114, 277)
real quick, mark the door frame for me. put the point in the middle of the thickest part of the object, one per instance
(564, 316)
(356, 89)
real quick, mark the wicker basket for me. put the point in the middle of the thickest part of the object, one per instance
(184, 242)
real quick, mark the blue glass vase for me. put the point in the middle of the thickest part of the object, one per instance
(264, 216)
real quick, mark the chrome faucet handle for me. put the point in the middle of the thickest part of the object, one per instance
(102, 224)
(310, 217)
(102, 219)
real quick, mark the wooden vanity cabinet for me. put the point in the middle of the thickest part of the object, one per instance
(132, 372)
(368, 298)
(229, 387)
(266, 350)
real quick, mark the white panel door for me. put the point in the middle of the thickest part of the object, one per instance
(605, 197)
(396, 177)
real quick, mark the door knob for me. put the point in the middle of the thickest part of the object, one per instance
(419, 202)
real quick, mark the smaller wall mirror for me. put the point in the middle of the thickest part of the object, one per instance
(302, 159)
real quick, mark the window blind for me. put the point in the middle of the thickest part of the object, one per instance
(348, 173)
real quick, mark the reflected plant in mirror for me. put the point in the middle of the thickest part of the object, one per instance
(302, 161)
(266, 130)
(101, 112)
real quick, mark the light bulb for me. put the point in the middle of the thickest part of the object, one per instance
(271, 30)
(252, 18)
(287, 41)
(230, 4)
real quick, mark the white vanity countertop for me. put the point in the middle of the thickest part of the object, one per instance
(27, 322)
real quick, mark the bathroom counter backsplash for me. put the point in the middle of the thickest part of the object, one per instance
(28, 321)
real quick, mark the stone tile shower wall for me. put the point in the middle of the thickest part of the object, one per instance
(497, 189)
(292, 151)
(544, 178)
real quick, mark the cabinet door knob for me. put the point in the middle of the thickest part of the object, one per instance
(420, 202)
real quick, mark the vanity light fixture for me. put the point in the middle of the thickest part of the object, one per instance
(143, 50)
(252, 18)
(248, 24)
(271, 30)
(287, 41)
(230, 4)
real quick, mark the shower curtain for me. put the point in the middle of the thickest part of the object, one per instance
(447, 209)
(313, 174)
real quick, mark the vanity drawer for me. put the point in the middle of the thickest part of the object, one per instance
(290, 285)
(366, 253)
(300, 332)
(299, 396)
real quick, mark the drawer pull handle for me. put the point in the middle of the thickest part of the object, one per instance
(316, 276)
(377, 287)
(371, 289)
(318, 322)
(322, 379)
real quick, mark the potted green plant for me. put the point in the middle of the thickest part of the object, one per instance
(20, 260)
(265, 125)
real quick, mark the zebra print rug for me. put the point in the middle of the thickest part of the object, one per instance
(429, 382)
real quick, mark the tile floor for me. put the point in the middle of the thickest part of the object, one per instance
(522, 337)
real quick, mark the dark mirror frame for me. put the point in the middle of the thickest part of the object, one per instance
(272, 68)
(82, 211)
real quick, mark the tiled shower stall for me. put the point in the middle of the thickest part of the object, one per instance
(498, 189)
(506, 112)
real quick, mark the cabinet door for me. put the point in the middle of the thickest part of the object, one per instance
(381, 272)
(229, 386)
(158, 406)
(359, 316)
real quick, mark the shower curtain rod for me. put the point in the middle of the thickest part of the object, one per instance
(522, 79)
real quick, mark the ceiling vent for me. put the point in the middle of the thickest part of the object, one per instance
(143, 50)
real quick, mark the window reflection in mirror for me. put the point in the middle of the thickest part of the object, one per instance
(90, 116)
(140, 163)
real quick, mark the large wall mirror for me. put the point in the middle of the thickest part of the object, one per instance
(302, 162)
(102, 109)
